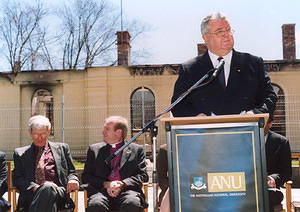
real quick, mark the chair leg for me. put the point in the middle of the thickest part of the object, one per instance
(288, 196)
(85, 198)
(74, 197)
(9, 183)
(145, 188)
(76, 201)
(14, 200)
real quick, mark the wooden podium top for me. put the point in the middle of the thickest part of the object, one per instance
(215, 119)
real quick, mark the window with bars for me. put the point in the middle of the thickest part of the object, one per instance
(42, 104)
(142, 108)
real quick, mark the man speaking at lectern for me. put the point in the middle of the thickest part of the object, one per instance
(243, 86)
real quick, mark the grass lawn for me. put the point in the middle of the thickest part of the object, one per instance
(78, 165)
(295, 163)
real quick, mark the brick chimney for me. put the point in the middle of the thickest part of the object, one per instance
(202, 48)
(123, 39)
(288, 41)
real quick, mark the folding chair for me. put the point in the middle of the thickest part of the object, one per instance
(12, 191)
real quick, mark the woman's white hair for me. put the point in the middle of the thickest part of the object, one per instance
(39, 122)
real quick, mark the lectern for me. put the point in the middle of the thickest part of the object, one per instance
(217, 163)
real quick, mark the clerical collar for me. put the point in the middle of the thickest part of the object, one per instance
(117, 145)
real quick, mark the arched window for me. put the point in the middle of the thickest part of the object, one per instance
(279, 113)
(42, 104)
(142, 104)
(142, 111)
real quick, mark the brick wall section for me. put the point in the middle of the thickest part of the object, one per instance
(288, 41)
(123, 42)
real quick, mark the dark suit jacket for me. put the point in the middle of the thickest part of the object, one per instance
(3, 174)
(278, 156)
(132, 168)
(248, 88)
(23, 174)
(162, 170)
(4, 205)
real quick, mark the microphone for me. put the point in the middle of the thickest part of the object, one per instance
(218, 69)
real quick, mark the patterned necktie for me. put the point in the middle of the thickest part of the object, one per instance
(221, 75)
(40, 167)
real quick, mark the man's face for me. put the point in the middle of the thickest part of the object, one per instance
(110, 135)
(39, 137)
(219, 40)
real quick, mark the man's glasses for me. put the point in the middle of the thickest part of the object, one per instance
(37, 135)
(221, 33)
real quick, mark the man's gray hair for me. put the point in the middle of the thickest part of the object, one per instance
(39, 122)
(205, 22)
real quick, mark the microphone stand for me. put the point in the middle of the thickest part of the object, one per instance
(210, 75)
(154, 132)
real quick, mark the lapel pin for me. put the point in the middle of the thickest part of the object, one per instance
(239, 70)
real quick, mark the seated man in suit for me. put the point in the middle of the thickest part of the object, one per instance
(44, 171)
(279, 167)
(4, 205)
(118, 185)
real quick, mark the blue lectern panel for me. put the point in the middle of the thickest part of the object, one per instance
(217, 169)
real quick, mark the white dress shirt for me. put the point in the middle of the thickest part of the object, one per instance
(227, 59)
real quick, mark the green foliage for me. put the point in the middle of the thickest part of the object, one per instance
(78, 164)
(295, 163)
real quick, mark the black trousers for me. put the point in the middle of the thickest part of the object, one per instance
(275, 198)
(127, 201)
(4, 205)
(47, 198)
